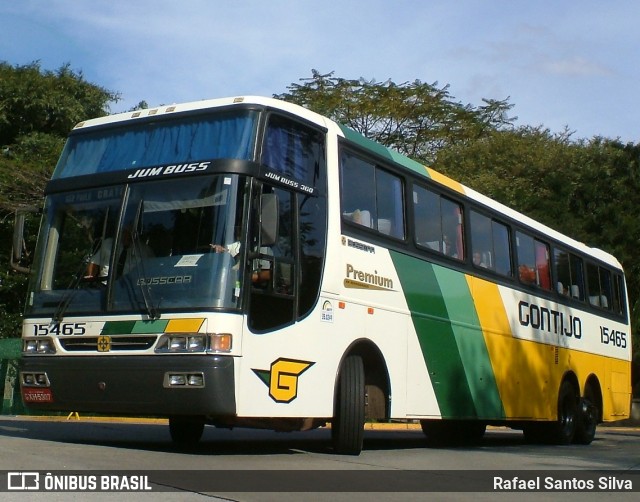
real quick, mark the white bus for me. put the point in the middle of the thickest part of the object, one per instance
(245, 262)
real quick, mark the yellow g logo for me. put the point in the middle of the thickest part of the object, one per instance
(282, 378)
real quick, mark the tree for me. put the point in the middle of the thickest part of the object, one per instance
(415, 118)
(587, 189)
(38, 108)
(36, 100)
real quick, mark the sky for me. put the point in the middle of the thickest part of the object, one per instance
(561, 63)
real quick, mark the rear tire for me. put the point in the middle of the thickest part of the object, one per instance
(186, 431)
(347, 426)
(564, 430)
(588, 417)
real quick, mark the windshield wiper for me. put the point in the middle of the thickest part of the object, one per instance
(58, 315)
(145, 289)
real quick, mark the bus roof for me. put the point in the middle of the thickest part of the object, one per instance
(164, 110)
(363, 142)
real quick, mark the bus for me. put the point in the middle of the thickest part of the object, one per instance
(245, 262)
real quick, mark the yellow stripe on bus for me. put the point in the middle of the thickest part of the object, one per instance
(521, 368)
(528, 374)
(184, 325)
(445, 180)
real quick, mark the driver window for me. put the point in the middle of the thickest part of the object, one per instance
(273, 271)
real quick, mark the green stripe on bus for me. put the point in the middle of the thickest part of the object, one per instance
(131, 327)
(392, 155)
(467, 331)
(117, 327)
(156, 326)
(435, 335)
(451, 339)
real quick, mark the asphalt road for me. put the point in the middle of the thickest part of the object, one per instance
(393, 459)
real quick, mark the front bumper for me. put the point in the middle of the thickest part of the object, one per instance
(131, 385)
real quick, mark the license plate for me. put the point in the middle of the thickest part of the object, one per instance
(32, 395)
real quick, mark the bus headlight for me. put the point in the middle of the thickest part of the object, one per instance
(180, 379)
(38, 346)
(194, 342)
(39, 379)
(181, 342)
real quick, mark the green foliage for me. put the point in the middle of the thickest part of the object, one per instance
(587, 189)
(35, 100)
(37, 110)
(25, 168)
(415, 118)
(13, 288)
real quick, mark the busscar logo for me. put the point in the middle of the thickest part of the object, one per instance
(282, 378)
(104, 343)
(23, 481)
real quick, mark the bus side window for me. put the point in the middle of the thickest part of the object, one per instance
(371, 196)
(358, 190)
(600, 287)
(533, 261)
(618, 294)
(526, 258)
(438, 222)
(490, 244)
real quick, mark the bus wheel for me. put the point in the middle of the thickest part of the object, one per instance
(564, 430)
(347, 426)
(587, 418)
(186, 430)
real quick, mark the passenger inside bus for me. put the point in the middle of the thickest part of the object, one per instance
(478, 260)
(130, 255)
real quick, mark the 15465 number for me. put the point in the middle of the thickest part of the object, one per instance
(65, 328)
(613, 337)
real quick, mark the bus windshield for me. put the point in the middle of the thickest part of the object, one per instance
(149, 247)
(224, 135)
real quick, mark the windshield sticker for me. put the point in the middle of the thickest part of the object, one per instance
(327, 312)
(189, 260)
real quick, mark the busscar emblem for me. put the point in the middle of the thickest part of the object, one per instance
(104, 343)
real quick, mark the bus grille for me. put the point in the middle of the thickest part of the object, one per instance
(90, 344)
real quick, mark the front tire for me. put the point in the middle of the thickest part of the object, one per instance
(347, 426)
